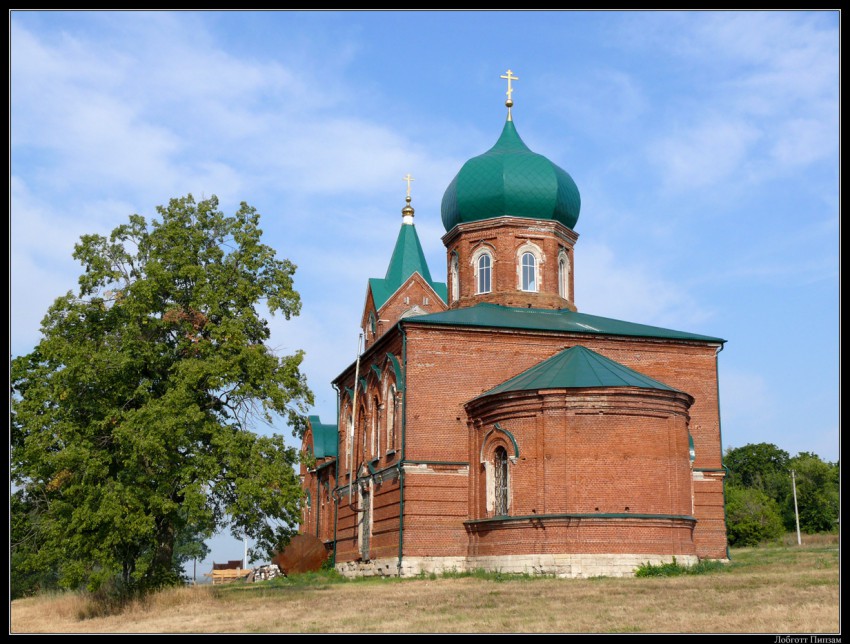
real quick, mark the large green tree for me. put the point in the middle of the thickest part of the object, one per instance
(818, 493)
(762, 466)
(134, 420)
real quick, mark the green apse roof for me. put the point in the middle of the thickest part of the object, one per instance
(407, 259)
(563, 320)
(510, 179)
(324, 438)
(577, 367)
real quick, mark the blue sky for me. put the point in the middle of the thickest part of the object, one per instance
(704, 144)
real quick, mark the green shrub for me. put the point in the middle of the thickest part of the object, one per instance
(674, 568)
(751, 517)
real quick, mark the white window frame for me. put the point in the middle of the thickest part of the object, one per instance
(564, 274)
(477, 256)
(392, 411)
(376, 427)
(539, 259)
(528, 266)
(348, 421)
(454, 272)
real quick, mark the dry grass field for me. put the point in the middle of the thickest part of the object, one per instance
(775, 589)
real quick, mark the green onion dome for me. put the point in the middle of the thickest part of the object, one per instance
(510, 180)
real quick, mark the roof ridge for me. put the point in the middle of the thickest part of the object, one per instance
(488, 314)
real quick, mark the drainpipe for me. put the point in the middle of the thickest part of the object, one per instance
(352, 431)
(336, 514)
(318, 500)
(335, 494)
(403, 444)
(720, 436)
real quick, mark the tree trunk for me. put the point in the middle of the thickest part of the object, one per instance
(161, 572)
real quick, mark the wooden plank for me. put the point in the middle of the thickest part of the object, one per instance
(228, 575)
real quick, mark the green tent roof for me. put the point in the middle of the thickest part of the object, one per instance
(577, 367)
(563, 320)
(406, 260)
(510, 180)
(325, 438)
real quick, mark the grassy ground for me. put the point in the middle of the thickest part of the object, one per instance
(775, 589)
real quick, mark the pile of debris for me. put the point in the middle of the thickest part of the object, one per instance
(304, 553)
(233, 571)
(262, 573)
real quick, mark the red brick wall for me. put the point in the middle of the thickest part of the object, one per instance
(376, 389)
(385, 523)
(583, 536)
(435, 507)
(602, 451)
(414, 292)
(319, 482)
(448, 367)
(605, 450)
(504, 237)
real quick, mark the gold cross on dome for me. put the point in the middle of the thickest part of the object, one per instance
(509, 76)
(408, 178)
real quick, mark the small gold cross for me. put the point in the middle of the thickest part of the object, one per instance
(408, 178)
(509, 77)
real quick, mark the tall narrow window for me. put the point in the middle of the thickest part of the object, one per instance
(455, 285)
(484, 268)
(562, 277)
(564, 274)
(500, 467)
(349, 433)
(391, 415)
(362, 431)
(376, 427)
(529, 272)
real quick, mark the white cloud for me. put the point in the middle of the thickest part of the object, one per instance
(748, 409)
(705, 153)
(632, 291)
(41, 267)
(803, 142)
(765, 102)
(599, 100)
(115, 126)
(753, 412)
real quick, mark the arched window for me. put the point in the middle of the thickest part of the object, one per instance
(376, 427)
(362, 431)
(564, 276)
(500, 480)
(529, 272)
(347, 423)
(392, 402)
(453, 272)
(483, 278)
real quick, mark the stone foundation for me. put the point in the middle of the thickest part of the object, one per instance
(575, 566)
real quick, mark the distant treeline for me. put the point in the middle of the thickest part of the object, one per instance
(760, 496)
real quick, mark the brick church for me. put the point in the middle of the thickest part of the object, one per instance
(487, 423)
